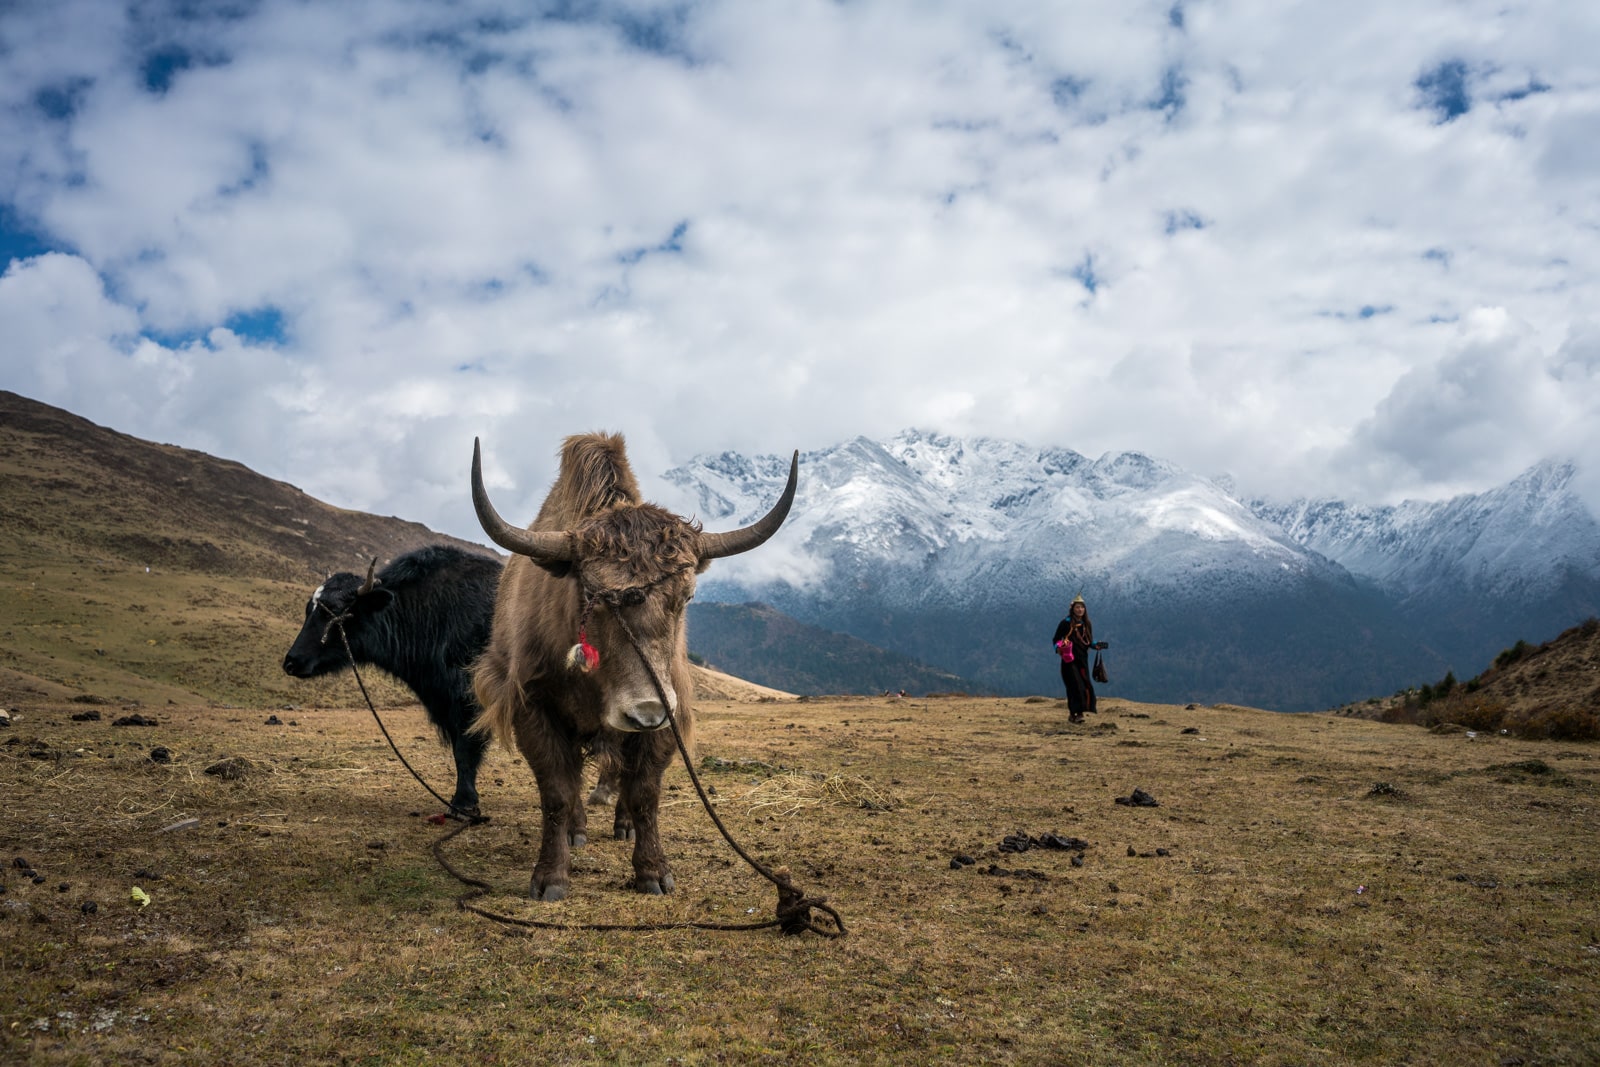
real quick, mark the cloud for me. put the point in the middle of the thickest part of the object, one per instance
(57, 313)
(338, 241)
(1499, 401)
(83, 344)
(1576, 369)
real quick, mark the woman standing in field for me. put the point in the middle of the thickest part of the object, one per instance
(1073, 640)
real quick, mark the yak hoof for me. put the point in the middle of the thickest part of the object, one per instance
(577, 840)
(655, 887)
(551, 892)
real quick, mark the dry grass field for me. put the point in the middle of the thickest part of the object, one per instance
(1310, 889)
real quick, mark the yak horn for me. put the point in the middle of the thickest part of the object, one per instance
(717, 545)
(541, 546)
(366, 586)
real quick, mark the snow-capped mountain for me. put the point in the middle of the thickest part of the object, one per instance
(964, 553)
(1471, 574)
(962, 506)
(1525, 539)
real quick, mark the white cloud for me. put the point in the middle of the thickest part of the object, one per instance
(56, 314)
(1501, 400)
(1244, 243)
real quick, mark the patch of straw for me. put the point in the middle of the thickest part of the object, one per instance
(786, 794)
(125, 808)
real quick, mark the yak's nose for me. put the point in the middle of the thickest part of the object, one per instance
(293, 666)
(647, 715)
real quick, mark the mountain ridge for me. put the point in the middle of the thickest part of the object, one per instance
(178, 506)
(760, 643)
(966, 550)
(950, 556)
(132, 571)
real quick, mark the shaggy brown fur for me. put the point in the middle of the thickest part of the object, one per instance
(633, 561)
(594, 477)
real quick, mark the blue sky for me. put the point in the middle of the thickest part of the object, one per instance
(1339, 250)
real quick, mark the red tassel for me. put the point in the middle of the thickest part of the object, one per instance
(583, 656)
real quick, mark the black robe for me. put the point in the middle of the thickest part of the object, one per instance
(1075, 675)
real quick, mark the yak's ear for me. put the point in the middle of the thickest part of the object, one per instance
(374, 600)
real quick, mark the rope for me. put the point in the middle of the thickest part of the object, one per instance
(337, 622)
(481, 888)
(793, 908)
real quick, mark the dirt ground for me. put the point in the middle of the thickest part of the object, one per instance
(1306, 889)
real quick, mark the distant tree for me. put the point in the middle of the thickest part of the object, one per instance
(1512, 654)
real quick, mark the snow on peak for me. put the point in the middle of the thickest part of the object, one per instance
(914, 498)
(1133, 470)
(955, 509)
(1524, 536)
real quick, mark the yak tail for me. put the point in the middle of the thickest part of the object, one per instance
(497, 699)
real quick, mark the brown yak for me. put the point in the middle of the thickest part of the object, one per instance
(591, 603)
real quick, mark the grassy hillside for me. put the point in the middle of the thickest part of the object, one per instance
(1551, 690)
(138, 572)
(68, 486)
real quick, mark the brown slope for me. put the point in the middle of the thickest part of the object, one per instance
(1563, 673)
(1538, 691)
(139, 572)
(66, 483)
(714, 685)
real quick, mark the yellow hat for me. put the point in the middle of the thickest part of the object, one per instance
(1077, 600)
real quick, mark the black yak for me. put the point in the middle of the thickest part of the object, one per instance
(424, 618)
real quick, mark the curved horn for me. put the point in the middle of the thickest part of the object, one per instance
(542, 546)
(366, 586)
(717, 545)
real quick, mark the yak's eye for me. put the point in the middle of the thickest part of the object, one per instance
(633, 597)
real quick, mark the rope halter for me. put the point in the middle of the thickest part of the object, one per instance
(583, 656)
